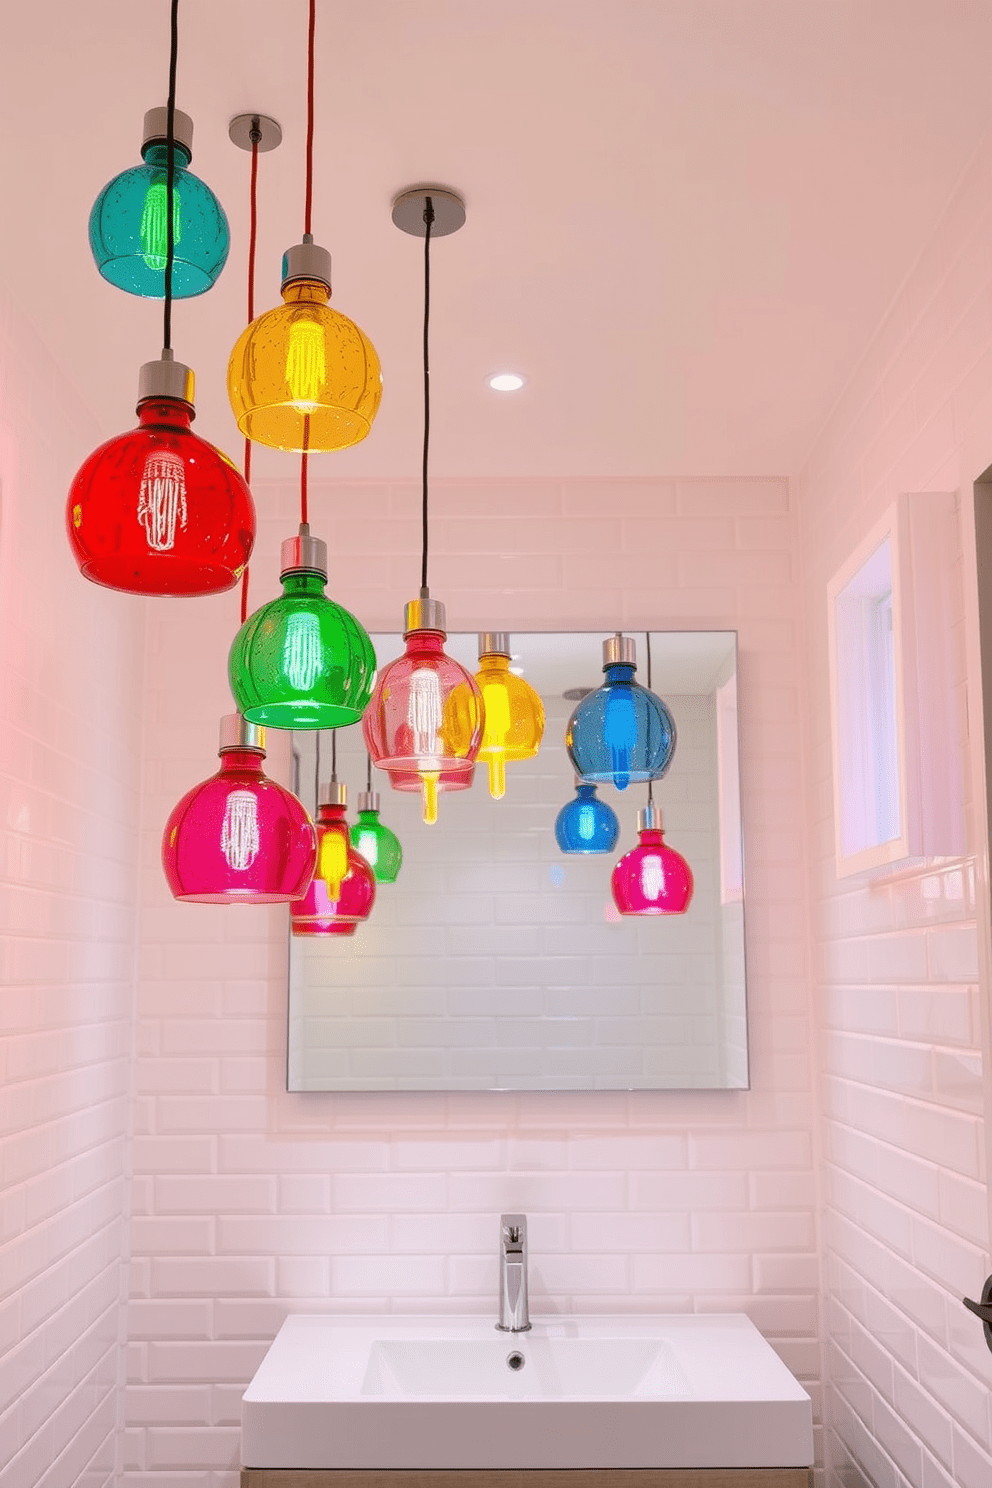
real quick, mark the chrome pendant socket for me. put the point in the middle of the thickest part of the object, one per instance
(303, 554)
(650, 818)
(332, 793)
(167, 378)
(425, 614)
(237, 733)
(156, 130)
(494, 643)
(306, 260)
(368, 801)
(619, 650)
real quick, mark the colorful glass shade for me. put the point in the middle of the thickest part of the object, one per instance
(129, 220)
(586, 824)
(239, 837)
(302, 661)
(370, 837)
(158, 510)
(514, 712)
(621, 732)
(304, 376)
(652, 879)
(426, 716)
(342, 892)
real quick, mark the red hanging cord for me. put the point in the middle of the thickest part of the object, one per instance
(308, 211)
(304, 459)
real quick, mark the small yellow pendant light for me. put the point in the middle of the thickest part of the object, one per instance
(514, 712)
(303, 377)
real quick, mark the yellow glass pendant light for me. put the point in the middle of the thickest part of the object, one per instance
(304, 377)
(514, 712)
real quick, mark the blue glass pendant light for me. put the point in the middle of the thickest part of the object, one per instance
(586, 824)
(621, 732)
(129, 220)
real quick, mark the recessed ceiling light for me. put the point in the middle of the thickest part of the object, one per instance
(506, 382)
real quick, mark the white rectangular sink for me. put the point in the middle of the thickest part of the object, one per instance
(453, 1392)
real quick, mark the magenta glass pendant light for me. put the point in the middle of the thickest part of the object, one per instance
(342, 891)
(652, 879)
(239, 837)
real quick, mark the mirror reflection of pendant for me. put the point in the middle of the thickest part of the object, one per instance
(162, 499)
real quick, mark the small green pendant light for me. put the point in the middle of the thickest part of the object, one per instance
(378, 845)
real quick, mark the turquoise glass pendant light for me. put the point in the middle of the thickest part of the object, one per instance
(622, 732)
(129, 220)
(302, 661)
(586, 824)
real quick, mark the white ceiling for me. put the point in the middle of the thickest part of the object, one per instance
(685, 217)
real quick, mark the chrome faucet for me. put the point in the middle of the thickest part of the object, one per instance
(513, 1314)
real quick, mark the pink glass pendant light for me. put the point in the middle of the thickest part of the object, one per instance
(239, 837)
(652, 879)
(342, 891)
(424, 724)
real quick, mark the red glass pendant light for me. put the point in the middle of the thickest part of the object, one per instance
(652, 879)
(342, 892)
(158, 510)
(239, 837)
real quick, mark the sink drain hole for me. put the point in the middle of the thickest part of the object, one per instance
(516, 1360)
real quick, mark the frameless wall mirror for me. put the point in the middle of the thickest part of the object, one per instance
(496, 961)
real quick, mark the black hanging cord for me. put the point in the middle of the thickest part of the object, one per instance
(428, 222)
(334, 754)
(647, 638)
(368, 784)
(170, 186)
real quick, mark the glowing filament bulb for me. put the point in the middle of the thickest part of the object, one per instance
(429, 779)
(367, 843)
(586, 823)
(239, 836)
(621, 734)
(162, 499)
(425, 711)
(332, 863)
(155, 224)
(498, 724)
(302, 650)
(653, 877)
(306, 368)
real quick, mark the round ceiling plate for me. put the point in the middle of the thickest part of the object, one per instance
(409, 207)
(240, 130)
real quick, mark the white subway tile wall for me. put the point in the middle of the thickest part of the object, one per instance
(906, 1215)
(70, 746)
(251, 1203)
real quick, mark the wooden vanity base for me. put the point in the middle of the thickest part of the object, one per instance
(661, 1477)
